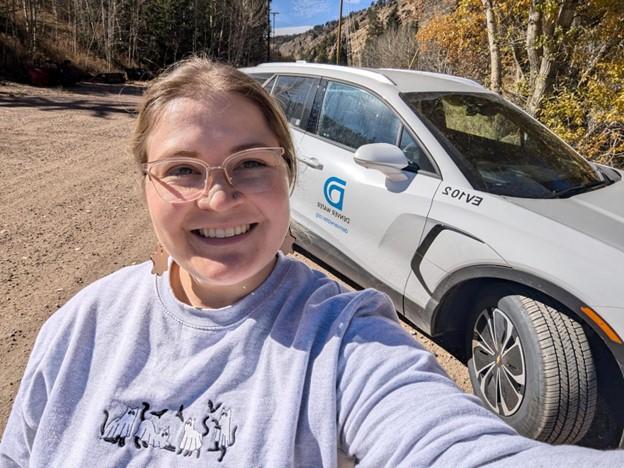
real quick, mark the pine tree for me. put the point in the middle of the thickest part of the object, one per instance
(375, 28)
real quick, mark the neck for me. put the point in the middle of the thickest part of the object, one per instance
(210, 296)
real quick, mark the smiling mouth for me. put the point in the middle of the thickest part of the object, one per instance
(224, 233)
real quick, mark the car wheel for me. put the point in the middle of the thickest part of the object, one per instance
(532, 365)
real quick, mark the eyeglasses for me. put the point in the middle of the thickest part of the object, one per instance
(181, 180)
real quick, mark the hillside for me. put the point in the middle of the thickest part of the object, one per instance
(319, 43)
(112, 35)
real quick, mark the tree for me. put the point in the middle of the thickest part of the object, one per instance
(455, 42)
(375, 29)
(134, 32)
(393, 20)
(551, 22)
(396, 48)
(492, 32)
(563, 60)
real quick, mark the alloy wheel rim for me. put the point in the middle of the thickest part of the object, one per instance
(498, 361)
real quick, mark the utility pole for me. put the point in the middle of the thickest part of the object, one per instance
(274, 13)
(339, 35)
(268, 51)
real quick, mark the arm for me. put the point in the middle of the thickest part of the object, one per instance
(21, 427)
(30, 403)
(396, 407)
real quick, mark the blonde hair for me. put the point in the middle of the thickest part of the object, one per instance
(201, 78)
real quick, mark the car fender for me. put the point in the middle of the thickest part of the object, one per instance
(549, 290)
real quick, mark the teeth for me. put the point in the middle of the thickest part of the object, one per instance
(219, 233)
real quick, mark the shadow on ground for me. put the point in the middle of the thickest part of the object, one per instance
(101, 100)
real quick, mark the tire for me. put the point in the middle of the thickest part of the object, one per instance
(532, 365)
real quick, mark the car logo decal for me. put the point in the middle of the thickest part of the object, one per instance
(334, 190)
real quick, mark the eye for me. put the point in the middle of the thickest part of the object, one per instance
(181, 170)
(250, 164)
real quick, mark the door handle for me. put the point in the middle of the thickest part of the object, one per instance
(312, 162)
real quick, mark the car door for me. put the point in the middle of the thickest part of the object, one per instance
(358, 220)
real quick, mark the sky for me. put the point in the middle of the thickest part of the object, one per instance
(296, 16)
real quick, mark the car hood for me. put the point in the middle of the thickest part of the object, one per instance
(598, 214)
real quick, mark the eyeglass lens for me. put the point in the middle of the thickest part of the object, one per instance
(184, 179)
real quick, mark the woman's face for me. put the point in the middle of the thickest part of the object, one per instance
(211, 130)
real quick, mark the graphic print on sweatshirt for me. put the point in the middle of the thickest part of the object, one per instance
(170, 430)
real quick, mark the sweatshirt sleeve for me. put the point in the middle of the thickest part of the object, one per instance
(397, 408)
(31, 400)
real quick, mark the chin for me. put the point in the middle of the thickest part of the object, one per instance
(227, 273)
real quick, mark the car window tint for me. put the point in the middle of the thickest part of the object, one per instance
(293, 92)
(354, 117)
(414, 152)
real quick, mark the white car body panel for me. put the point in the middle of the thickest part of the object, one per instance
(549, 249)
(466, 252)
(599, 214)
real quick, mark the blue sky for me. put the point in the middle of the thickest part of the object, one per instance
(300, 15)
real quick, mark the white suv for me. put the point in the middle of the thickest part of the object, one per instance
(490, 234)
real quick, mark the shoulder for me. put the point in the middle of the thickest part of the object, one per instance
(128, 281)
(128, 277)
(325, 298)
(92, 302)
(320, 287)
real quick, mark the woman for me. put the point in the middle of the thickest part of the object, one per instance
(237, 355)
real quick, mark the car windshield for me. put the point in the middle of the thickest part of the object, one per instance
(501, 150)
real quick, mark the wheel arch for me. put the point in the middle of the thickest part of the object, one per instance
(449, 308)
(450, 315)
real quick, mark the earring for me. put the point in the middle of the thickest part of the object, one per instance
(160, 260)
(287, 245)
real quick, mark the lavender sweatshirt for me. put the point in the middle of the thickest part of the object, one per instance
(299, 373)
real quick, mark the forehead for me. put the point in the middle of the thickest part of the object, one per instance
(218, 124)
(216, 110)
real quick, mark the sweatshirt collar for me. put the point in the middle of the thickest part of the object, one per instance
(209, 319)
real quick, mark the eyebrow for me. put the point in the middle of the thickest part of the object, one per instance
(236, 149)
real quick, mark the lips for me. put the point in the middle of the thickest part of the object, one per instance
(223, 233)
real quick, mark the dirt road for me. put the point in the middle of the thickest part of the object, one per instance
(71, 210)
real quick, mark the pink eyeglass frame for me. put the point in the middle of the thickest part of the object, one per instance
(277, 150)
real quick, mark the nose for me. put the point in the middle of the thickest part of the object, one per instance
(218, 194)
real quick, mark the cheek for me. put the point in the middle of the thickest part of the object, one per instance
(162, 214)
(278, 207)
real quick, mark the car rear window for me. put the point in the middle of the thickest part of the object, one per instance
(294, 93)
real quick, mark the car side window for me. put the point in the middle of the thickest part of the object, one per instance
(261, 77)
(293, 93)
(269, 85)
(414, 152)
(354, 117)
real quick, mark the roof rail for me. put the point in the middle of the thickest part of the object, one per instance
(364, 72)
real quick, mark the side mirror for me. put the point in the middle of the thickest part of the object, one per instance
(384, 157)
